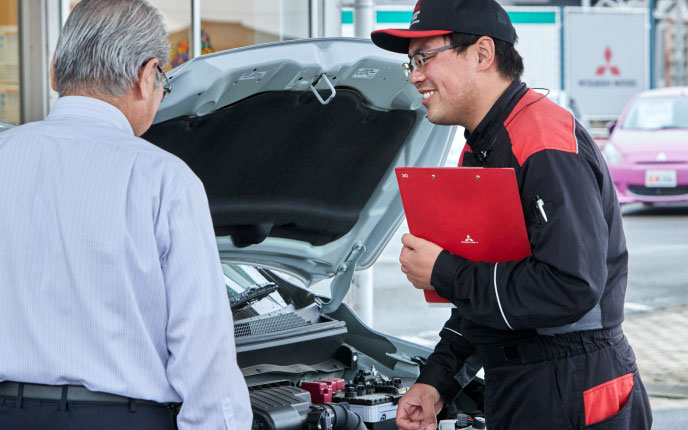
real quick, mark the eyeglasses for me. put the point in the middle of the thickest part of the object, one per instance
(416, 61)
(166, 86)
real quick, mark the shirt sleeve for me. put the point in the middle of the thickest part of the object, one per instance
(202, 365)
(565, 276)
(448, 368)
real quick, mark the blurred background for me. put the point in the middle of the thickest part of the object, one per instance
(592, 55)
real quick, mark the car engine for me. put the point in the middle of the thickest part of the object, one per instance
(314, 371)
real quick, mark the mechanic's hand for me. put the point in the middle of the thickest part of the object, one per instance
(419, 407)
(417, 260)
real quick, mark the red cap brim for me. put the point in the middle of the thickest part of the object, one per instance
(397, 40)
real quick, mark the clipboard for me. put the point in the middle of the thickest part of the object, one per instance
(472, 212)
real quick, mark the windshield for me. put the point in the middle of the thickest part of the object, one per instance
(657, 113)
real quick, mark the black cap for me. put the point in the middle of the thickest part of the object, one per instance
(440, 17)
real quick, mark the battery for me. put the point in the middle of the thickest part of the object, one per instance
(372, 408)
(375, 413)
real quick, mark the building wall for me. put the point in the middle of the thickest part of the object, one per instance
(9, 62)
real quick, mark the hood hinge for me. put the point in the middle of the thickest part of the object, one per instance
(342, 279)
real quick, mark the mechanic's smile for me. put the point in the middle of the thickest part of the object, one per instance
(427, 95)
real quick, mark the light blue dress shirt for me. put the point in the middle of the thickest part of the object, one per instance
(110, 276)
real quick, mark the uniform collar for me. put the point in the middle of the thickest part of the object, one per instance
(482, 137)
(91, 108)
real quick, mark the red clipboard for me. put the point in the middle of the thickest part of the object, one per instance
(472, 212)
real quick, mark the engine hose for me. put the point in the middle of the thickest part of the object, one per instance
(334, 416)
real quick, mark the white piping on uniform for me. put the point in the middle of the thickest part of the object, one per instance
(453, 331)
(499, 303)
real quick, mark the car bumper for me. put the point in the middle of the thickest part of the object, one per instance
(631, 187)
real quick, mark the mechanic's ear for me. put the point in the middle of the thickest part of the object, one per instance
(486, 52)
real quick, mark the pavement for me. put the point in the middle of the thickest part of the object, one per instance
(659, 338)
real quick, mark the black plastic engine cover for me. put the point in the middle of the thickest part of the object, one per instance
(279, 406)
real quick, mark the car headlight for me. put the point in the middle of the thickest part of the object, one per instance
(611, 154)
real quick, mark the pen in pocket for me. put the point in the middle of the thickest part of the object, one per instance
(540, 204)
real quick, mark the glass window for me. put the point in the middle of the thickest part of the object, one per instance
(657, 113)
(176, 15)
(9, 62)
(227, 24)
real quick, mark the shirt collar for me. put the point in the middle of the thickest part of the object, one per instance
(490, 124)
(92, 108)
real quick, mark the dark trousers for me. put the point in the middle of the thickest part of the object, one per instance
(585, 380)
(53, 415)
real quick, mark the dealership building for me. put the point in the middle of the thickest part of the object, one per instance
(550, 31)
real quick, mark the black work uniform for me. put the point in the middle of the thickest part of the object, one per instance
(547, 329)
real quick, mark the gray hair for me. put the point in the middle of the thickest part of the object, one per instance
(104, 43)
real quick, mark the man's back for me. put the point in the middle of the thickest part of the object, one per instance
(98, 230)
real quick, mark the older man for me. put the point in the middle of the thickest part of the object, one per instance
(113, 306)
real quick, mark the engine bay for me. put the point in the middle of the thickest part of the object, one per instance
(306, 369)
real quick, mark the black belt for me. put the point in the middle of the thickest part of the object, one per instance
(542, 348)
(68, 393)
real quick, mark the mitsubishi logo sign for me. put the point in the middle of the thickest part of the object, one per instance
(606, 58)
(608, 65)
(607, 75)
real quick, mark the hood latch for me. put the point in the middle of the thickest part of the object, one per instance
(329, 84)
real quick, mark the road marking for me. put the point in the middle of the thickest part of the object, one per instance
(638, 307)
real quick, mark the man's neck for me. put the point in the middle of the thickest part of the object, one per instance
(123, 103)
(489, 93)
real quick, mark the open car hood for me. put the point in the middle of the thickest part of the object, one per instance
(296, 143)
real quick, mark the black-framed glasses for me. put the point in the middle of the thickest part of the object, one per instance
(166, 86)
(417, 61)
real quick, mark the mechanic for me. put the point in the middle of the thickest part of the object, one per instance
(546, 329)
(113, 304)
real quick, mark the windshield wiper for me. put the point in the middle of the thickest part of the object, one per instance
(251, 295)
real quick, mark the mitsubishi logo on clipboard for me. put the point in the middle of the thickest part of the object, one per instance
(469, 240)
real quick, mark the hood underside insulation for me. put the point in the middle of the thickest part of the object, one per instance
(282, 164)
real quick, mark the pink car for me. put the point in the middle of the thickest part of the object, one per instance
(647, 151)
